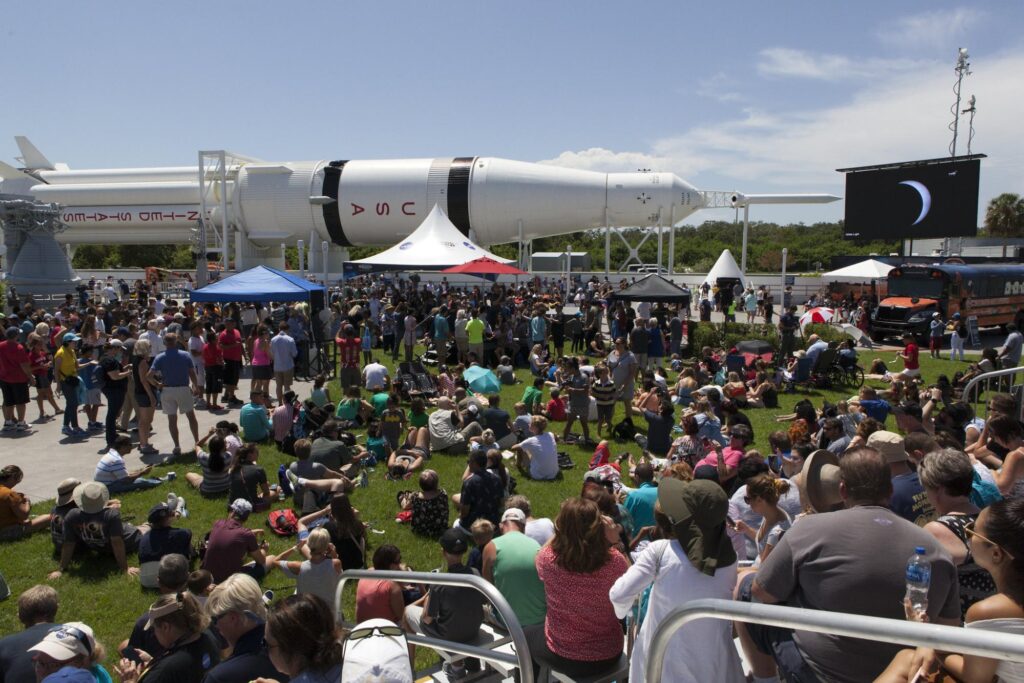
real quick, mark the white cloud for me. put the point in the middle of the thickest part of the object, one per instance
(719, 86)
(930, 29)
(898, 116)
(790, 63)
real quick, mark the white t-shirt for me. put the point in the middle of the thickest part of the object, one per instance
(540, 530)
(376, 376)
(543, 455)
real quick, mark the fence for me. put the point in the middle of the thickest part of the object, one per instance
(521, 657)
(980, 642)
(1000, 381)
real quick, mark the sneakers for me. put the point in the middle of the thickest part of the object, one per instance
(453, 672)
(93, 426)
(176, 452)
(292, 477)
(8, 426)
(21, 426)
(148, 450)
(364, 480)
(66, 431)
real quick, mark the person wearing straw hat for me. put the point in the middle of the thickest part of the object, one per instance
(694, 560)
(851, 560)
(98, 526)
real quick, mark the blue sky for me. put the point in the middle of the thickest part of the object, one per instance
(758, 97)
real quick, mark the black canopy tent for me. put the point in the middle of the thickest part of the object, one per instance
(653, 288)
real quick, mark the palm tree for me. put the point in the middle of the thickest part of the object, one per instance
(1004, 216)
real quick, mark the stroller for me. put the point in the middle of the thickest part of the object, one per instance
(433, 357)
(415, 380)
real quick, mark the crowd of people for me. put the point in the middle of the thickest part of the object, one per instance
(825, 518)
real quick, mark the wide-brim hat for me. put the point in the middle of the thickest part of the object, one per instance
(91, 497)
(65, 490)
(698, 510)
(821, 481)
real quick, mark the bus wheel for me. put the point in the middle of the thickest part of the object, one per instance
(877, 337)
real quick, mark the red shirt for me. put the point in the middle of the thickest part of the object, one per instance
(348, 349)
(556, 409)
(910, 362)
(228, 337)
(39, 359)
(580, 622)
(12, 355)
(212, 355)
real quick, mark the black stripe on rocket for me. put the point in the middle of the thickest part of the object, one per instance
(332, 211)
(458, 193)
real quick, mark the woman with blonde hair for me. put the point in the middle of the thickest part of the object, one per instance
(763, 493)
(318, 573)
(179, 624)
(578, 568)
(145, 398)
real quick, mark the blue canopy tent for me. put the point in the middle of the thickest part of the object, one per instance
(260, 284)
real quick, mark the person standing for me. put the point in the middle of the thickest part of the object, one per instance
(231, 345)
(936, 328)
(788, 325)
(1009, 357)
(15, 375)
(910, 356)
(958, 328)
(408, 336)
(475, 336)
(174, 374)
(65, 364)
(623, 365)
(114, 386)
(348, 355)
(284, 350)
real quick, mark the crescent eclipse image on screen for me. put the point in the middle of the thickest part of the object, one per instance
(913, 200)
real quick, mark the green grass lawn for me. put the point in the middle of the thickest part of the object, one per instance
(93, 592)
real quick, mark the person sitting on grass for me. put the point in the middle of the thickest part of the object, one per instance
(15, 508)
(318, 573)
(305, 467)
(112, 471)
(249, 480)
(254, 419)
(537, 456)
(161, 540)
(231, 542)
(37, 610)
(555, 409)
(533, 395)
(352, 410)
(429, 506)
(215, 479)
(418, 413)
(482, 493)
(238, 610)
(347, 530)
(409, 458)
(482, 532)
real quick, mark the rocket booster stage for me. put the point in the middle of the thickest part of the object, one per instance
(357, 202)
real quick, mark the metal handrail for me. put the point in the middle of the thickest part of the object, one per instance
(986, 377)
(980, 642)
(521, 658)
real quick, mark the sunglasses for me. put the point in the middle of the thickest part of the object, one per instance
(360, 633)
(970, 529)
(76, 633)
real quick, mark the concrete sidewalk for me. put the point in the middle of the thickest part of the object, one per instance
(46, 456)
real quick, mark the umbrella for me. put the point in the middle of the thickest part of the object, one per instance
(857, 334)
(819, 314)
(481, 380)
(485, 266)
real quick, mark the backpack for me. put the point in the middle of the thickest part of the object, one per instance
(99, 376)
(625, 430)
(283, 481)
(961, 330)
(283, 522)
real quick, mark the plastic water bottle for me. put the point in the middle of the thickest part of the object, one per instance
(172, 502)
(919, 578)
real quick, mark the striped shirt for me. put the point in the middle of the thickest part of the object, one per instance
(110, 468)
(213, 482)
(603, 392)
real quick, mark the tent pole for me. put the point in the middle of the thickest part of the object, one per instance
(607, 244)
(660, 255)
(672, 240)
(746, 227)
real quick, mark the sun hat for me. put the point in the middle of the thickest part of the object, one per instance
(154, 612)
(91, 497)
(697, 510)
(67, 641)
(821, 481)
(65, 489)
(514, 515)
(453, 541)
(890, 445)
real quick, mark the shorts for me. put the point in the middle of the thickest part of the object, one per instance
(776, 642)
(935, 343)
(42, 381)
(262, 372)
(176, 400)
(232, 370)
(142, 400)
(349, 377)
(580, 413)
(213, 379)
(14, 393)
(641, 359)
(14, 532)
(605, 412)
(626, 392)
(916, 372)
(285, 376)
(93, 397)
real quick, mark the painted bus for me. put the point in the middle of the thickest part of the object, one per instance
(994, 294)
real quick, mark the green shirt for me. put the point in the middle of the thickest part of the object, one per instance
(515, 576)
(475, 331)
(379, 402)
(532, 396)
(418, 421)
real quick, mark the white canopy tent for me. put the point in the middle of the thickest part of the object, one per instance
(865, 271)
(725, 267)
(436, 244)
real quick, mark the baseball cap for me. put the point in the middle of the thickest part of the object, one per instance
(65, 489)
(890, 445)
(957, 315)
(123, 331)
(514, 515)
(241, 507)
(158, 512)
(116, 344)
(11, 332)
(454, 541)
(71, 337)
(67, 641)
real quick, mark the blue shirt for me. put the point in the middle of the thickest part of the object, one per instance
(877, 408)
(537, 327)
(174, 364)
(254, 422)
(937, 327)
(640, 504)
(440, 327)
(284, 351)
(815, 349)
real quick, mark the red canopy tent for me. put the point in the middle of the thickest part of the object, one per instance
(485, 266)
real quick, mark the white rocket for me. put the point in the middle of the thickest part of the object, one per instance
(352, 202)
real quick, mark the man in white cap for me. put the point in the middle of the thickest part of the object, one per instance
(98, 527)
(67, 651)
(509, 562)
(231, 542)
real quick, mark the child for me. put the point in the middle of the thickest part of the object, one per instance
(200, 584)
(533, 395)
(41, 365)
(229, 432)
(521, 425)
(484, 442)
(376, 444)
(506, 373)
(872, 406)
(445, 382)
(213, 363)
(392, 423)
(483, 532)
(87, 365)
(321, 396)
(603, 391)
(555, 410)
(418, 413)
(367, 342)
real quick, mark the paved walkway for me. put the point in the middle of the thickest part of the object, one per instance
(46, 456)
